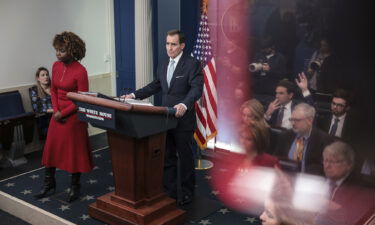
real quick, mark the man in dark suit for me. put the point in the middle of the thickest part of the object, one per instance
(180, 80)
(340, 122)
(304, 144)
(348, 201)
(279, 111)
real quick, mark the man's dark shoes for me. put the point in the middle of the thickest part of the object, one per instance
(186, 199)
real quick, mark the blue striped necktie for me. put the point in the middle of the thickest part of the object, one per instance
(170, 72)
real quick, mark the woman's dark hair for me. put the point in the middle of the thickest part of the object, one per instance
(41, 93)
(259, 136)
(74, 45)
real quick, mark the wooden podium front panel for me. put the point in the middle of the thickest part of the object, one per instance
(137, 166)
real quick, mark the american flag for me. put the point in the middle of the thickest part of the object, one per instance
(206, 107)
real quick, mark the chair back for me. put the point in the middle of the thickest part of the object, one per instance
(10, 104)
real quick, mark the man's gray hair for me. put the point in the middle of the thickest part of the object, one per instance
(340, 149)
(307, 109)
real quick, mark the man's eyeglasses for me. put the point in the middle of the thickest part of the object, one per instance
(327, 161)
(295, 120)
(337, 105)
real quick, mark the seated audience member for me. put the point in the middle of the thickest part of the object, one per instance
(279, 111)
(303, 144)
(237, 182)
(342, 122)
(255, 140)
(349, 202)
(253, 114)
(268, 67)
(40, 96)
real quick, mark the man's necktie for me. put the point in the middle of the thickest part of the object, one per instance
(170, 72)
(332, 187)
(334, 127)
(299, 149)
(280, 115)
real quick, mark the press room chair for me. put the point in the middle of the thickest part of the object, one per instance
(16, 129)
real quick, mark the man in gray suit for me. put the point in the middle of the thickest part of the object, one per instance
(180, 80)
(304, 143)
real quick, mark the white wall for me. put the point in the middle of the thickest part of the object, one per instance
(28, 27)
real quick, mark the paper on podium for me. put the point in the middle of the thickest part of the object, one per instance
(135, 102)
(138, 102)
(98, 94)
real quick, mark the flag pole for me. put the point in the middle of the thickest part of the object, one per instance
(200, 163)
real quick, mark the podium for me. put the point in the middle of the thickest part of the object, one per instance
(136, 137)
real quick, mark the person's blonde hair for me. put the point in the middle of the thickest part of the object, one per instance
(259, 129)
(41, 92)
(256, 108)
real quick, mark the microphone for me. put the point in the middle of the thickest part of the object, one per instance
(171, 111)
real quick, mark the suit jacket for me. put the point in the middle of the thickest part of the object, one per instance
(314, 149)
(349, 130)
(186, 87)
(355, 203)
(273, 120)
(308, 99)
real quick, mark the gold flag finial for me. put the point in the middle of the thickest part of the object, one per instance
(205, 6)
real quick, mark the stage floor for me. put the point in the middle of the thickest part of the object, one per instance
(21, 188)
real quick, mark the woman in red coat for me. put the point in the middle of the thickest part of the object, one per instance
(67, 145)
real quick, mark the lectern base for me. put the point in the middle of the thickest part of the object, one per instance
(161, 212)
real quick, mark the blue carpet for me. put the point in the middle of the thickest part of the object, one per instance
(99, 182)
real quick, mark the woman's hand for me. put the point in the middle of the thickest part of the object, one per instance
(57, 116)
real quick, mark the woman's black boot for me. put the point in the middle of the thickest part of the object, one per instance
(49, 183)
(74, 187)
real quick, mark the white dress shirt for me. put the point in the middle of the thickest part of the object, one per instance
(287, 114)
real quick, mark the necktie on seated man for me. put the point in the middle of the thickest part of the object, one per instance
(170, 72)
(298, 153)
(334, 127)
(332, 188)
(280, 115)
